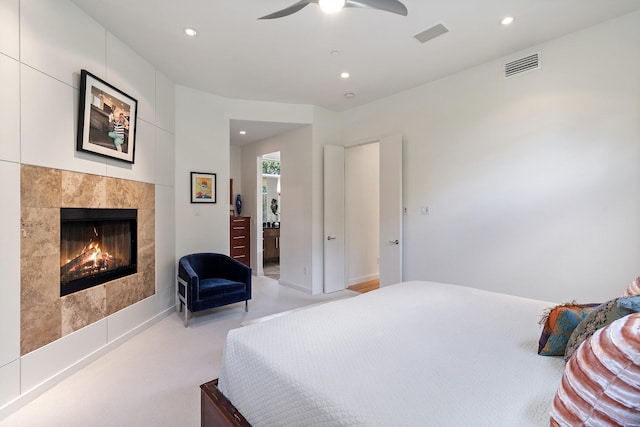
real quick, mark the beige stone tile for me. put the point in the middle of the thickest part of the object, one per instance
(40, 324)
(122, 194)
(147, 196)
(40, 187)
(82, 191)
(123, 292)
(83, 308)
(40, 232)
(148, 282)
(146, 227)
(40, 280)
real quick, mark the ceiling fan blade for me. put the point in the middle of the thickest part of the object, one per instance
(393, 6)
(289, 10)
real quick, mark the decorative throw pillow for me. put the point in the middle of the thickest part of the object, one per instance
(600, 317)
(633, 288)
(558, 325)
(601, 382)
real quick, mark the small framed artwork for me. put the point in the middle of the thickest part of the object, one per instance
(203, 187)
(106, 120)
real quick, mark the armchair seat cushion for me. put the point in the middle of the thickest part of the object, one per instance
(219, 288)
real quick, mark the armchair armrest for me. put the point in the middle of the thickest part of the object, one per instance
(190, 279)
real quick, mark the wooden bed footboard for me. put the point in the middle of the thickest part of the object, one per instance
(216, 410)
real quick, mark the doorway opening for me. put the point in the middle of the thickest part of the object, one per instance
(362, 216)
(270, 190)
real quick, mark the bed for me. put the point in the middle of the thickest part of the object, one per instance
(411, 354)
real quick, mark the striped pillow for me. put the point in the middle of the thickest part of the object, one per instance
(601, 382)
(633, 288)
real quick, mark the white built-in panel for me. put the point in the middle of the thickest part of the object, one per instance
(10, 28)
(9, 109)
(165, 103)
(134, 76)
(144, 168)
(53, 358)
(10, 262)
(48, 125)
(165, 238)
(165, 300)
(165, 158)
(9, 382)
(59, 39)
(129, 318)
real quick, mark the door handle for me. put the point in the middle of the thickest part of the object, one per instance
(394, 242)
(331, 238)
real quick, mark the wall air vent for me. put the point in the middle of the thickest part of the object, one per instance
(528, 63)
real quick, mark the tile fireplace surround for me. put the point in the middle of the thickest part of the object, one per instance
(44, 315)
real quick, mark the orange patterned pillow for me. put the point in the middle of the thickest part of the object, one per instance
(601, 382)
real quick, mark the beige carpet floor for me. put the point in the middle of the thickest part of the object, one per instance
(153, 379)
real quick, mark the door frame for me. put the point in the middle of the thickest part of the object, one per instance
(400, 237)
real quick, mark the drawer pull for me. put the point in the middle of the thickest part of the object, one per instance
(238, 247)
(239, 228)
(239, 256)
(239, 237)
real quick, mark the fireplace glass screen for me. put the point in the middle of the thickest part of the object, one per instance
(96, 246)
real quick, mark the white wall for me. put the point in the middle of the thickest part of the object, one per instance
(41, 56)
(295, 199)
(202, 145)
(532, 181)
(236, 170)
(362, 222)
(202, 142)
(326, 131)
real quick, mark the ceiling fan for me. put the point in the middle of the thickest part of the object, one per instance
(330, 6)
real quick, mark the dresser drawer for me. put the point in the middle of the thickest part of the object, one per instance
(240, 238)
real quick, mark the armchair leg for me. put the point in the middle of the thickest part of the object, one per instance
(186, 316)
(246, 305)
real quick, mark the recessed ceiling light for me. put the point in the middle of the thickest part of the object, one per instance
(191, 32)
(243, 132)
(344, 75)
(349, 95)
(507, 20)
(335, 52)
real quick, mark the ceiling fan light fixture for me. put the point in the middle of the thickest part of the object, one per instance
(331, 6)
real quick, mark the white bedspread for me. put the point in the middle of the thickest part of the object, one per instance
(411, 354)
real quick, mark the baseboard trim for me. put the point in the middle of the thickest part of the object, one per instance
(296, 287)
(49, 383)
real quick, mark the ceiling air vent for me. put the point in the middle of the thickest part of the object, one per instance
(528, 63)
(431, 33)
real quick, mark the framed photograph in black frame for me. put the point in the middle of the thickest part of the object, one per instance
(203, 187)
(106, 120)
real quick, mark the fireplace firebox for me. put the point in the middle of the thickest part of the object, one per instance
(96, 246)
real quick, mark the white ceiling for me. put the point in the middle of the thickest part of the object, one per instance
(289, 59)
(257, 131)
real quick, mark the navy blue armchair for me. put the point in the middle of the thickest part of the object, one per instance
(208, 280)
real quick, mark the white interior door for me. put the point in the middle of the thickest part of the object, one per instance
(334, 218)
(390, 210)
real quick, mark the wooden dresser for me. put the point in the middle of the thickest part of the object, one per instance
(271, 244)
(240, 241)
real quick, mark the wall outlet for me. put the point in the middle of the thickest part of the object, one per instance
(304, 270)
(424, 210)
